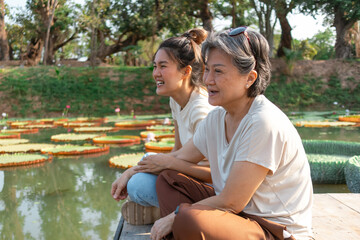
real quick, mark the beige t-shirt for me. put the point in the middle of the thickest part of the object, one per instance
(266, 137)
(188, 118)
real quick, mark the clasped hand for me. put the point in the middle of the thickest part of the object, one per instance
(153, 163)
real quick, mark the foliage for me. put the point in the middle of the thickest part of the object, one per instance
(323, 42)
(96, 92)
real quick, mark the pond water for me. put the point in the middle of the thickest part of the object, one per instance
(69, 198)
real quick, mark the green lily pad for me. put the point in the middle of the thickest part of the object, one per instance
(7, 160)
(125, 160)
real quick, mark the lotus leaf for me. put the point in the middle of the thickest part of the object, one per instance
(158, 134)
(95, 129)
(5, 142)
(73, 149)
(125, 160)
(160, 128)
(117, 139)
(21, 159)
(26, 147)
(73, 137)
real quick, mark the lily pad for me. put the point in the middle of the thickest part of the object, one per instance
(158, 134)
(9, 135)
(20, 130)
(95, 129)
(67, 137)
(79, 124)
(5, 142)
(323, 124)
(74, 149)
(135, 124)
(162, 146)
(7, 160)
(160, 128)
(119, 139)
(26, 147)
(125, 160)
(350, 118)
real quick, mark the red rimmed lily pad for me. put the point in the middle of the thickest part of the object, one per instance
(68, 137)
(135, 124)
(39, 126)
(350, 118)
(12, 141)
(21, 130)
(125, 160)
(159, 147)
(10, 160)
(74, 149)
(165, 128)
(158, 134)
(80, 124)
(9, 135)
(117, 139)
(95, 129)
(24, 148)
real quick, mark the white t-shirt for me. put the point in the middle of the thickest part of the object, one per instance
(188, 118)
(266, 137)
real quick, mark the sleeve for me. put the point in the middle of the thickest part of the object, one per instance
(260, 143)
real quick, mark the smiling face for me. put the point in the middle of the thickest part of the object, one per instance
(168, 77)
(225, 84)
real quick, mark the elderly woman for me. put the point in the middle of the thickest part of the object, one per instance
(261, 178)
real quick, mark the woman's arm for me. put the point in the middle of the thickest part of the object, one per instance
(184, 160)
(244, 179)
(177, 145)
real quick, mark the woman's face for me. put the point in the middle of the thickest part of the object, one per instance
(167, 76)
(225, 84)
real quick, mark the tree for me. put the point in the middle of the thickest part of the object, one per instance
(50, 9)
(235, 9)
(282, 9)
(264, 10)
(36, 21)
(342, 13)
(4, 46)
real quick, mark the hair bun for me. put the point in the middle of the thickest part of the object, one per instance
(198, 35)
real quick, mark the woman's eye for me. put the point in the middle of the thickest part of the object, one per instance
(218, 71)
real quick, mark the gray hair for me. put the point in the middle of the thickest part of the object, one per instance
(245, 57)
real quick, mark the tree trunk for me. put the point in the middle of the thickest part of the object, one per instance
(51, 12)
(4, 45)
(281, 13)
(357, 39)
(205, 16)
(33, 54)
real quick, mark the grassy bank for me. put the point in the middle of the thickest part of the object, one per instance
(45, 92)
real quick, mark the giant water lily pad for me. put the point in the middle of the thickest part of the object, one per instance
(91, 119)
(125, 160)
(157, 134)
(160, 128)
(350, 118)
(95, 129)
(118, 139)
(23, 148)
(162, 146)
(323, 124)
(5, 142)
(74, 149)
(352, 174)
(67, 137)
(79, 124)
(39, 126)
(21, 130)
(135, 124)
(9, 135)
(327, 168)
(7, 160)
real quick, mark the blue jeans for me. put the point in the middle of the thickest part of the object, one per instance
(142, 188)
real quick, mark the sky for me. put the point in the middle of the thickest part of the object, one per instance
(303, 27)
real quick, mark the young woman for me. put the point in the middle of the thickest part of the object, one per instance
(178, 69)
(261, 177)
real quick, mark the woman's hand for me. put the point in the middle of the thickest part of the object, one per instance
(154, 163)
(118, 187)
(162, 227)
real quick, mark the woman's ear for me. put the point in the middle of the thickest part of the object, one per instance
(251, 78)
(188, 71)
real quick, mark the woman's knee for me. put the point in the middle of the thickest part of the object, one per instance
(187, 224)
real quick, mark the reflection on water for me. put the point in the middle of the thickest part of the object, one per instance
(69, 197)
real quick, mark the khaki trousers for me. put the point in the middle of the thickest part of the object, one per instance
(195, 222)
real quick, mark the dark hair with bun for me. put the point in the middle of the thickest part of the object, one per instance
(186, 50)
